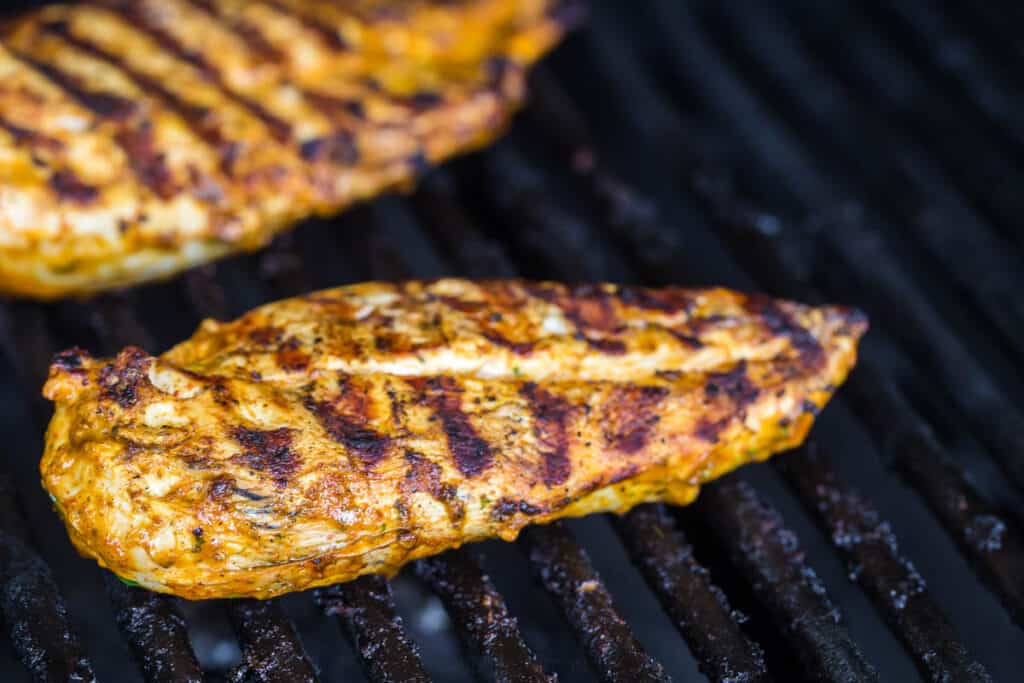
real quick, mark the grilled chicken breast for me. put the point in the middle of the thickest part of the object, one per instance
(141, 137)
(353, 430)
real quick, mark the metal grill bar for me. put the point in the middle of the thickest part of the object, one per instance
(271, 649)
(698, 608)
(906, 440)
(366, 611)
(32, 605)
(868, 545)
(482, 618)
(768, 555)
(564, 569)
(156, 632)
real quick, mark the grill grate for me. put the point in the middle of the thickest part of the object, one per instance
(890, 133)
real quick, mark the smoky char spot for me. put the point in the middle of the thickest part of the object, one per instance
(781, 323)
(339, 148)
(146, 160)
(424, 100)
(291, 357)
(709, 430)
(69, 187)
(471, 453)
(630, 414)
(668, 301)
(506, 507)
(70, 359)
(267, 451)
(689, 340)
(551, 415)
(734, 384)
(122, 379)
(519, 348)
(349, 428)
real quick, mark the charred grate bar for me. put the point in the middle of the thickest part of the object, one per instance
(482, 617)
(367, 612)
(564, 569)
(271, 650)
(872, 555)
(769, 556)
(32, 605)
(698, 608)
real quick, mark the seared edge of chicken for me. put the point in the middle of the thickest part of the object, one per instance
(141, 137)
(352, 430)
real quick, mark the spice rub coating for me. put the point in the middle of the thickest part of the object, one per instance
(352, 430)
(142, 137)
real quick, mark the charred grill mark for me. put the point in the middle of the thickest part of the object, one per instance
(122, 379)
(735, 384)
(589, 309)
(279, 129)
(519, 348)
(630, 414)
(69, 187)
(269, 452)
(102, 104)
(147, 160)
(70, 360)
(249, 34)
(326, 33)
(290, 356)
(266, 335)
(31, 138)
(199, 120)
(334, 107)
(472, 454)
(346, 420)
(337, 148)
(709, 430)
(781, 323)
(668, 301)
(690, 340)
(551, 416)
(424, 476)
(423, 100)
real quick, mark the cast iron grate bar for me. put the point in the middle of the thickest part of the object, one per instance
(868, 545)
(366, 611)
(769, 556)
(907, 442)
(564, 569)
(32, 605)
(156, 632)
(271, 649)
(698, 608)
(482, 618)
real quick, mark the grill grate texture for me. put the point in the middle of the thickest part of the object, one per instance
(869, 153)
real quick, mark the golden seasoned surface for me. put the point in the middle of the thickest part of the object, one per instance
(141, 137)
(352, 430)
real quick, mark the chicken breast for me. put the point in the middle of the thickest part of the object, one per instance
(353, 430)
(141, 137)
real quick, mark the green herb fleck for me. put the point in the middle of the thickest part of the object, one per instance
(516, 371)
(484, 501)
(128, 582)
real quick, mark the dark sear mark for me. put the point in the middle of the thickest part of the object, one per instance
(104, 105)
(291, 357)
(338, 148)
(24, 136)
(424, 476)
(670, 301)
(423, 100)
(69, 187)
(269, 452)
(250, 35)
(630, 414)
(326, 33)
(70, 360)
(551, 415)
(589, 309)
(146, 160)
(346, 420)
(735, 384)
(122, 379)
(781, 323)
(519, 348)
(708, 430)
(506, 507)
(689, 340)
(279, 129)
(266, 336)
(471, 453)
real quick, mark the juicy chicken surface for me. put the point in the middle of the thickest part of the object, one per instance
(142, 137)
(352, 430)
